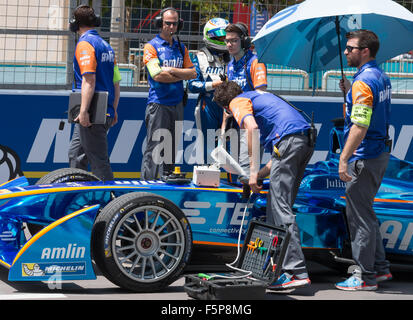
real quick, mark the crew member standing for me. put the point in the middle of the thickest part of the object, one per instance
(284, 132)
(244, 67)
(95, 69)
(364, 158)
(168, 64)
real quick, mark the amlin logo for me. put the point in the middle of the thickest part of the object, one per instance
(72, 251)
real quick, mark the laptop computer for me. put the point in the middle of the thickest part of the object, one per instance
(97, 109)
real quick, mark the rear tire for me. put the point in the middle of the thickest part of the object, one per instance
(67, 175)
(61, 176)
(141, 242)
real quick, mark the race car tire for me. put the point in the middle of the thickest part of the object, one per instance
(141, 242)
(61, 176)
(67, 175)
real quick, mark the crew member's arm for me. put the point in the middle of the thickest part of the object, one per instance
(151, 61)
(360, 117)
(258, 75)
(85, 55)
(199, 84)
(187, 71)
(251, 126)
(242, 110)
(116, 83)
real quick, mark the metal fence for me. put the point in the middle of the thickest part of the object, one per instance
(36, 46)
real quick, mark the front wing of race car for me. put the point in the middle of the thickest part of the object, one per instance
(60, 251)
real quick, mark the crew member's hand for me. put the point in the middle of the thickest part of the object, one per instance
(253, 182)
(342, 171)
(83, 119)
(115, 119)
(344, 85)
(216, 83)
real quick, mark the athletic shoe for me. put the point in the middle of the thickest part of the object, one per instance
(384, 277)
(285, 282)
(355, 283)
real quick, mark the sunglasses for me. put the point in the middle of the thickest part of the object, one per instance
(350, 48)
(171, 23)
(232, 41)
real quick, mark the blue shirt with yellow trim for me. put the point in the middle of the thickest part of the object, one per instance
(371, 87)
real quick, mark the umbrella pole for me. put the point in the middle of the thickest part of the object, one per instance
(341, 61)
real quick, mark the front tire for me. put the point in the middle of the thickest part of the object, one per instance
(141, 242)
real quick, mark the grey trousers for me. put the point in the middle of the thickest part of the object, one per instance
(285, 177)
(90, 146)
(366, 241)
(157, 117)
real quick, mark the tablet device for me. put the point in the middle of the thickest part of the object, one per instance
(97, 109)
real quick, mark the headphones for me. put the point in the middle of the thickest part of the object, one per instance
(158, 21)
(245, 38)
(93, 19)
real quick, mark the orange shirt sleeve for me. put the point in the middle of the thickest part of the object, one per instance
(362, 94)
(241, 108)
(149, 53)
(258, 74)
(187, 60)
(86, 58)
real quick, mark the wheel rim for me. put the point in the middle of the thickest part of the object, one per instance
(148, 244)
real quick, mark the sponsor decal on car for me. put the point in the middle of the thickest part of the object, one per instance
(51, 268)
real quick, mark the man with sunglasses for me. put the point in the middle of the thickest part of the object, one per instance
(168, 64)
(364, 158)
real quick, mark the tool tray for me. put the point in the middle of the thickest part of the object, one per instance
(261, 258)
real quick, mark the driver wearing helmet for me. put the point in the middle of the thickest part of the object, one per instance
(210, 64)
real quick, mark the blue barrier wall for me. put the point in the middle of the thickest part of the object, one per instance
(30, 127)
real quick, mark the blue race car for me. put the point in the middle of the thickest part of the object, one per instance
(143, 235)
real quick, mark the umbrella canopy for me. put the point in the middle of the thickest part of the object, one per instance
(305, 36)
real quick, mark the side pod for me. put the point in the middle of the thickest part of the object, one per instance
(61, 251)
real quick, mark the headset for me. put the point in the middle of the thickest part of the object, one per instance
(94, 20)
(158, 21)
(245, 38)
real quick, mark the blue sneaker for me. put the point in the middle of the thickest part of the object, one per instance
(355, 283)
(285, 282)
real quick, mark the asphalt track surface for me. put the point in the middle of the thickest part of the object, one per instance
(321, 289)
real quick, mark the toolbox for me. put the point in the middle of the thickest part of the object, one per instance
(258, 265)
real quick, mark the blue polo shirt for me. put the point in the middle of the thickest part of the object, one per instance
(372, 88)
(246, 71)
(95, 55)
(169, 94)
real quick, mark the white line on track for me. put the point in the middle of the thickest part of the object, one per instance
(38, 296)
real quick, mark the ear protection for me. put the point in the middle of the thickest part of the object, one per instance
(94, 20)
(158, 21)
(245, 39)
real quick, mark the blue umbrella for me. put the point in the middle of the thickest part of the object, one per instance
(306, 36)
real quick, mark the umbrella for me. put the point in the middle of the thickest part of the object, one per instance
(305, 35)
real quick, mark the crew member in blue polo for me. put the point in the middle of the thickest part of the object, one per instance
(283, 131)
(95, 69)
(364, 158)
(168, 64)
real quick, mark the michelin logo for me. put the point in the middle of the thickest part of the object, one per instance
(48, 269)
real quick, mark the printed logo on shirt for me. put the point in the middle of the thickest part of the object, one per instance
(108, 57)
(175, 63)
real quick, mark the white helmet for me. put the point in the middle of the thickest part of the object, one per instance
(213, 31)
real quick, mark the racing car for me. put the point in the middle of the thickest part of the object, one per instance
(144, 235)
